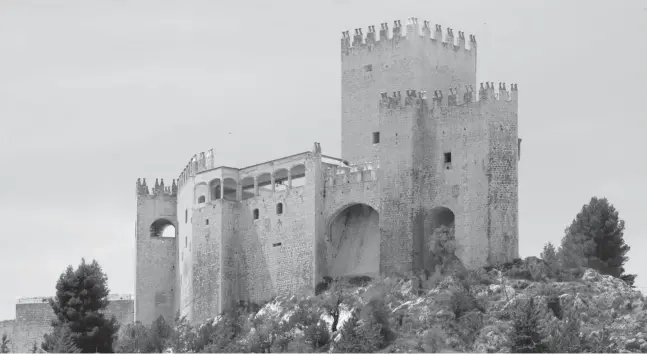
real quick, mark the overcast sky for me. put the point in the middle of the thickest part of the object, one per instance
(94, 94)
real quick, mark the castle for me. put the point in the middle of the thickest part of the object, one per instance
(422, 146)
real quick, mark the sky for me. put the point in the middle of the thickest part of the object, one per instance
(95, 94)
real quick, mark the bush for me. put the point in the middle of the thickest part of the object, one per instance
(359, 337)
(565, 338)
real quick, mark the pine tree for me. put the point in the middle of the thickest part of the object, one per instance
(81, 297)
(60, 341)
(549, 255)
(595, 240)
(527, 336)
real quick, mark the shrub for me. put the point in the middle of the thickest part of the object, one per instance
(565, 338)
(359, 337)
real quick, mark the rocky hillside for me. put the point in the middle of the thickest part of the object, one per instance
(473, 312)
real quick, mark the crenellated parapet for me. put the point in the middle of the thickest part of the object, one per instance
(341, 175)
(487, 93)
(203, 161)
(414, 31)
(158, 189)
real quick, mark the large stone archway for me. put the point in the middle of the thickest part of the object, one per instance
(354, 242)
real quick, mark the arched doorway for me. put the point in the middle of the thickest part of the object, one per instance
(354, 242)
(442, 216)
(435, 250)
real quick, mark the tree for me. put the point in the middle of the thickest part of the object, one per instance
(133, 338)
(81, 298)
(549, 255)
(526, 335)
(4, 344)
(60, 341)
(595, 239)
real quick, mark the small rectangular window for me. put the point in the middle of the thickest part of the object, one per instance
(376, 137)
(368, 68)
(206, 221)
(448, 157)
(255, 214)
(448, 160)
(279, 208)
(276, 244)
(186, 241)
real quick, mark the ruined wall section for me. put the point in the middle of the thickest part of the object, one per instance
(206, 254)
(122, 307)
(278, 249)
(502, 172)
(395, 62)
(33, 321)
(156, 257)
(34, 316)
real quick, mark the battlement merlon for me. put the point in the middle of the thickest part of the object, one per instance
(361, 45)
(440, 102)
(158, 189)
(203, 161)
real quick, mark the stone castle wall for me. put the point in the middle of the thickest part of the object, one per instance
(413, 160)
(34, 315)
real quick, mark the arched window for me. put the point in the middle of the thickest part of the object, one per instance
(202, 199)
(162, 228)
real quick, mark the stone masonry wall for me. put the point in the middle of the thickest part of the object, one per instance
(277, 251)
(33, 320)
(230, 253)
(342, 191)
(206, 252)
(395, 61)
(460, 185)
(156, 258)
(185, 211)
(502, 174)
(396, 189)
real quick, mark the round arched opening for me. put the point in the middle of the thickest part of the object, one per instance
(354, 242)
(442, 216)
(435, 249)
(162, 228)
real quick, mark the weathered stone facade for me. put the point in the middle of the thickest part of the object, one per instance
(422, 146)
(34, 315)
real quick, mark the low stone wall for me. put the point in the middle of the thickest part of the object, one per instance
(34, 315)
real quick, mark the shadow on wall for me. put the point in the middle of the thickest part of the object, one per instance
(354, 243)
